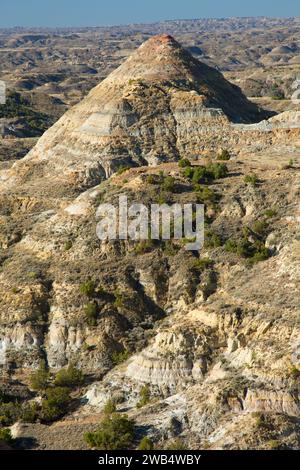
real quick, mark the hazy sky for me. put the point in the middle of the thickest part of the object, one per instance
(109, 12)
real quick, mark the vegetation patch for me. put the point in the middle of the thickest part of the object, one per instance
(116, 432)
(91, 313)
(224, 155)
(206, 174)
(145, 396)
(70, 377)
(120, 357)
(251, 179)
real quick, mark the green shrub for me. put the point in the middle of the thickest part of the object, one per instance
(218, 170)
(55, 404)
(30, 412)
(39, 379)
(162, 198)
(260, 227)
(119, 300)
(146, 444)
(189, 172)
(262, 254)
(145, 396)
(122, 170)
(245, 248)
(143, 246)
(68, 245)
(278, 97)
(169, 184)
(202, 264)
(88, 347)
(88, 289)
(251, 179)
(211, 239)
(201, 175)
(273, 444)
(9, 413)
(119, 357)
(230, 246)
(184, 162)
(91, 313)
(110, 407)
(269, 213)
(259, 418)
(206, 175)
(69, 377)
(57, 396)
(176, 444)
(33, 275)
(224, 155)
(207, 195)
(254, 252)
(115, 433)
(151, 179)
(294, 372)
(169, 248)
(5, 436)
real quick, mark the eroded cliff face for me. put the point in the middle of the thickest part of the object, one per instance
(215, 341)
(216, 344)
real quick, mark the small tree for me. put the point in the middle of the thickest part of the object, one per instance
(224, 155)
(145, 395)
(115, 433)
(218, 170)
(231, 246)
(251, 179)
(151, 179)
(5, 436)
(40, 378)
(119, 357)
(169, 184)
(199, 175)
(146, 444)
(30, 412)
(184, 163)
(91, 312)
(88, 289)
(110, 407)
(55, 404)
(212, 239)
(189, 172)
(9, 413)
(69, 377)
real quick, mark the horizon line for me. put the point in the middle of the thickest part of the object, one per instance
(221, 18)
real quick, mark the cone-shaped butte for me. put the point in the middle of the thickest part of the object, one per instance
(159, 105)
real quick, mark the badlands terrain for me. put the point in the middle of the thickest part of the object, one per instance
(47, 71)
(199, 349)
